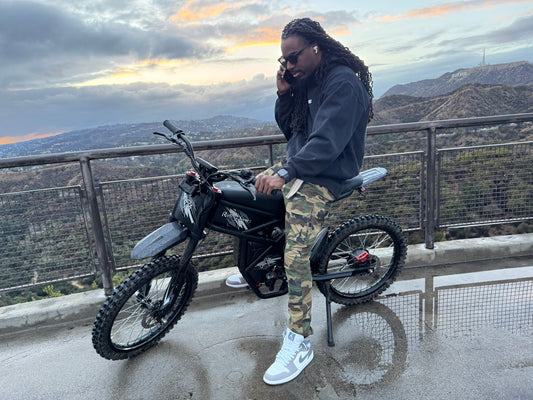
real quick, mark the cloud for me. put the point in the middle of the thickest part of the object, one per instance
(519, 30)
(444, 45)
(58, 43)
(40, 43)
(202, 10)
(444, 9)
(32, 31)
(68, 65)
(65, 108)
(250, 23)
(421, 41)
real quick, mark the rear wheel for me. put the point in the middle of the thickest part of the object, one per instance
(373, 248)
(143, 308)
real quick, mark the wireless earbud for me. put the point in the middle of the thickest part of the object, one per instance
(316, 49)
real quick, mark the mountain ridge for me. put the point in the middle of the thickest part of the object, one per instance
(470, 100)
(510, 74)
(121, 135)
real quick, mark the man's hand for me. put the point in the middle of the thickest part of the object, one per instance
(266, 184)
(283, 85)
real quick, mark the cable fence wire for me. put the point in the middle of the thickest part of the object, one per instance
(398, 195)
(482, 185)
(134, 208)
(43, 237)
(469, 310)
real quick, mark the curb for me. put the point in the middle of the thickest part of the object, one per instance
(469, 250)
(84, 306)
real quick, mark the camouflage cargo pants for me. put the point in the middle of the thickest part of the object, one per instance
(304, 218)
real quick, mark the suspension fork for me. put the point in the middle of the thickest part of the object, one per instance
(178, 278)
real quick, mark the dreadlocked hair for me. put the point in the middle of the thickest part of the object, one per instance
(333, 53)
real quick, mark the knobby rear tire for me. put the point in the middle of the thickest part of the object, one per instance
(386, 244)
(126, 324)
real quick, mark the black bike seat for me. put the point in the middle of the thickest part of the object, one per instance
(349, 185)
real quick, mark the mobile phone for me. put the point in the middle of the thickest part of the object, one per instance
(287, 77)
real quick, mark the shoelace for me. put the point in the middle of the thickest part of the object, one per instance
(287, 352)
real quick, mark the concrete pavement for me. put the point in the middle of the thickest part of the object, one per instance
(458, 329)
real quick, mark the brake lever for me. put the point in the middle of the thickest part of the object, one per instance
(161, 134)
(176, 140)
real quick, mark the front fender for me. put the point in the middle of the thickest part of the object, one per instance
(160, 240)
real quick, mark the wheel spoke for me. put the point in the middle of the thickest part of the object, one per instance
(132, 320)
(386, 247)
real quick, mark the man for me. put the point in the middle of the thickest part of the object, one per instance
(323, 112)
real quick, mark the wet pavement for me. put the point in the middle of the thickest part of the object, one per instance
(437, 333)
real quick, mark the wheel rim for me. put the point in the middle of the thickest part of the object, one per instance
(138, 321)
(381, 248)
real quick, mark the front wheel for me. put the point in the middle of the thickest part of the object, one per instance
(143, 308)
(373, 248)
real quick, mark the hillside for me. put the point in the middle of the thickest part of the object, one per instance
(518, 73)
(123, 135)
(471, 100)
(70, 175)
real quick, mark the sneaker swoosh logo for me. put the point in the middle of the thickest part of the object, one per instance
(304, 357)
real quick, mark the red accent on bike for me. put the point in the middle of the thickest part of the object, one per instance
(363, 257)
(191, 173)
(216, 190)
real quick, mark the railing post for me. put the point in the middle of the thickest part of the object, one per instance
(96, 221)
(430, 187)
(271, 154)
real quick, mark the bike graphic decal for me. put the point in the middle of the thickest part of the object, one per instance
(236, 219)
(188, 207)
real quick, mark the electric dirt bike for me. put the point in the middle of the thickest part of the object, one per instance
(351, 264)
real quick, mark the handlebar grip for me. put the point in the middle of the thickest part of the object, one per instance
(171, 127)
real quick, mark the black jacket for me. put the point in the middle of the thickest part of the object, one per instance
(332, 149)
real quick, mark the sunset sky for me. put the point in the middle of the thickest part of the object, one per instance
(67, 65)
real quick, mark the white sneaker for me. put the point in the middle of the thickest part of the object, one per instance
(294, 356)
(236, 281)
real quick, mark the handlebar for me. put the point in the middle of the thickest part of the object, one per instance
(207, 172)
(171, 127)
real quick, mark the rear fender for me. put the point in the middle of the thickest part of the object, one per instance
(319, 246)
(160, 240)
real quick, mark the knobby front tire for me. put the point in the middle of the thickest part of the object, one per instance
(386, 245)
(131, 320)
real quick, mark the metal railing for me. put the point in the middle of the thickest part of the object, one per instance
(95, 225)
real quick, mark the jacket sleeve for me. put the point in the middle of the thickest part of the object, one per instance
(283, 113)
(343, 105)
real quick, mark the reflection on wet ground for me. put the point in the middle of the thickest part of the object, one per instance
(480, 309)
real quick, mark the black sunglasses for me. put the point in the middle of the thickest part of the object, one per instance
(291, 58)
